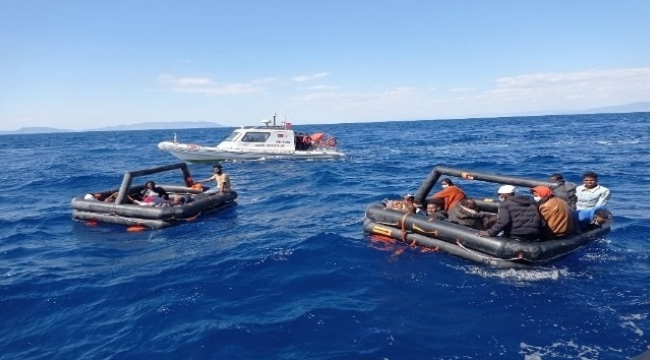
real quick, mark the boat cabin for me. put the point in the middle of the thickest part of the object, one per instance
(275, 138)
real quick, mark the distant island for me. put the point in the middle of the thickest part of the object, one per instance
(157, 125)
(177, 125)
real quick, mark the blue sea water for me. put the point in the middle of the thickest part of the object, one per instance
(289, 273)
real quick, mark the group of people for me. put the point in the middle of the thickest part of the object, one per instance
(152, 195)
(551, 213)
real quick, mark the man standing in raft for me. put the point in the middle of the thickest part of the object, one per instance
(590, 194)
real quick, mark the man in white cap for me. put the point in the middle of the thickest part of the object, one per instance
(518, 218)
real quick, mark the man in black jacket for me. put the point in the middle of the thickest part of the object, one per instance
(518, 217)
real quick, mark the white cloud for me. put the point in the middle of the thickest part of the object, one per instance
(207, 86)
(589, 88)
(461, 90)
(321, 87)
(518, 94)
(266, 80)
(301, 78)
(525, 93)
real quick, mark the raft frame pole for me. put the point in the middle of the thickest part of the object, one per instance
(439, 170)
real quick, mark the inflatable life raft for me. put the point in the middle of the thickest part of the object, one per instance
(464, 242)
(123, 211)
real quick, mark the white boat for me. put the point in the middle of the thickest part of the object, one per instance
(268, 141)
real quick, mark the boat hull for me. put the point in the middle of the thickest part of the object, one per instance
(196, 153)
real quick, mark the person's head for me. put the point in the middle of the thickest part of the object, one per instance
(178, 200)
(434, 204)
(445, 183)
(602, 216)
(410, 208)
(506, 191)
(150, 185)
(469, 203)
(395, 204)
(556, 178)
(540, 192)
(409, 199)
(217, 169)
(590, 179)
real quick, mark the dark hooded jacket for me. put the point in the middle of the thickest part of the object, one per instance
(462, 215)
(567, 192)
(518, 218)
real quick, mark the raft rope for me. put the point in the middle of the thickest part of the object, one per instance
(405, 232)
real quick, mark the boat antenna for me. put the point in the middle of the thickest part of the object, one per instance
(274, 115)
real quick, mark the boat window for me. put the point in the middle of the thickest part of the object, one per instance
(255, 136)
(232, 136)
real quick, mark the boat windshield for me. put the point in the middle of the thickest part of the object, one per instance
(232, 136)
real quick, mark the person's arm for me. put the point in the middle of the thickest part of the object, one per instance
(206, 180)
(503, 219)
(603, 197)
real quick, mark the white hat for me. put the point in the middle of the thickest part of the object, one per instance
(506, 189)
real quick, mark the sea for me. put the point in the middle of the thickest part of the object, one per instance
(289, 274)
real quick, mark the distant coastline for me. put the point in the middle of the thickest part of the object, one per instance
(139, 126)
(638, 107)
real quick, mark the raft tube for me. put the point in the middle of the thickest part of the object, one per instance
(464, 242)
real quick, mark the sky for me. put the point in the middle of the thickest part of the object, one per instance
(79, 64)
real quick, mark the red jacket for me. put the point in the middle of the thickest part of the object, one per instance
(451, 195)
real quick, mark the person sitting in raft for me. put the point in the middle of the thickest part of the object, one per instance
(517, 217)
(466, 213)
(556, 214)
(99, 197)
(394, 204)
(221, 179)
(404, 204)
(159, 201)
(592, 218)
(434, 210)
(450, 194)
(409, 201)
(151, 190)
